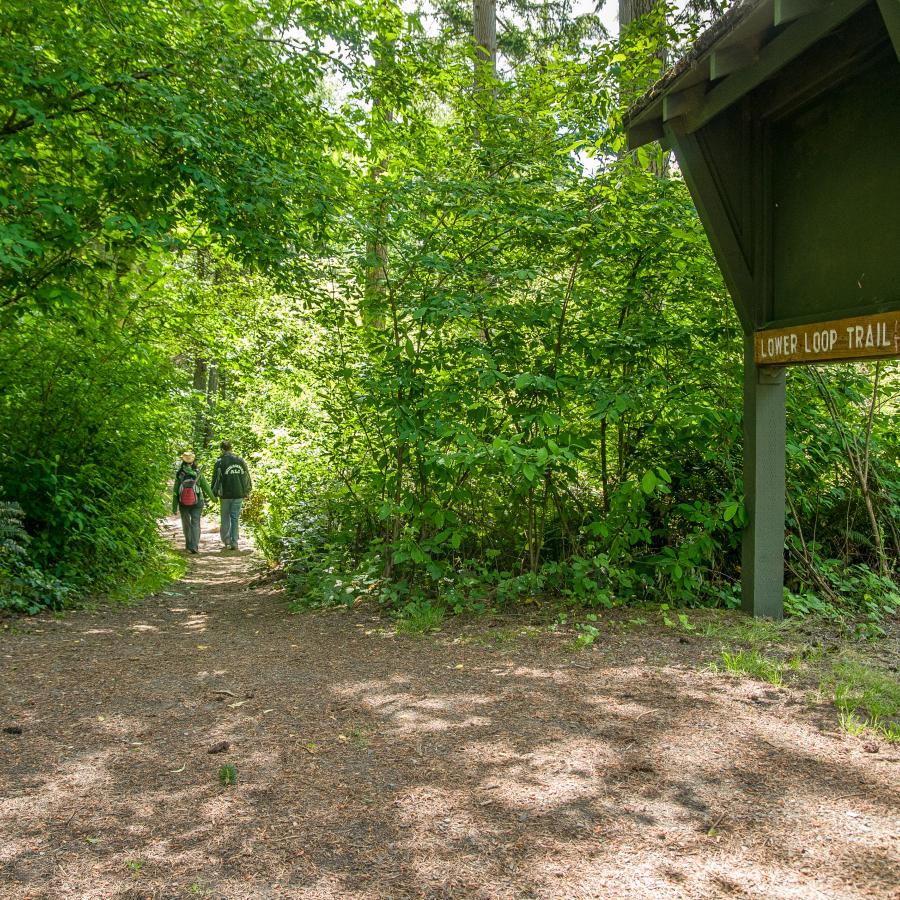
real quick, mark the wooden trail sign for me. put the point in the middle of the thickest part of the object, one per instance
(861, 337)
(785, 118)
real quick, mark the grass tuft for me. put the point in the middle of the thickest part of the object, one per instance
(751, 664)
(228, 775)
(867, 698)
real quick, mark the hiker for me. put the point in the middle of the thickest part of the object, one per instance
(189, 496)
(231, 483)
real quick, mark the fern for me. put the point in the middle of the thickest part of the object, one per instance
(23, 587)
(13, 536)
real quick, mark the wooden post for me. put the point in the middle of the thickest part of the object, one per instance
(762, 574)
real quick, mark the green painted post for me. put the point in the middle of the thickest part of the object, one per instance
(762, 574)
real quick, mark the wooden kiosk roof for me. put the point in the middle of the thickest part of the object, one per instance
(750, 43)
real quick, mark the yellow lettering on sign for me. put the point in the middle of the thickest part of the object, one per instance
(863, 337)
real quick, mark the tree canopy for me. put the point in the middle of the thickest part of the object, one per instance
(474, 350)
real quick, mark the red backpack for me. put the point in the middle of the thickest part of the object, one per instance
(187, 492)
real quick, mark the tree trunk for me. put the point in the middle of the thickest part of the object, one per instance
(484, 33)
(631, 11)
(201, 377)
(212, 390)
(376, 288)
(484, 36)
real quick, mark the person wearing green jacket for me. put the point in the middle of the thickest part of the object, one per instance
(189, 495)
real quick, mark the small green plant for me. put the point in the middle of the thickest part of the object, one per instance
(807, 604)
(228, 775)
(587, 634)
(744, 630)
(359, 738)
(680, 621)
(752, 664)
(420, 617)
(868, 631)
(851, 724)
(134, 866)
(867, 698)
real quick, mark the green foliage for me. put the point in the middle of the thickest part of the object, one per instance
(135, 866)
(541, 398)
(359, 738)
(753, 664)
(82, 441)
(587, 635)
(145, 150)
(227, 775)
(137, 126)
(867, 698)
(24, 588)
(475, 353)
(678, 620)
(420, 617)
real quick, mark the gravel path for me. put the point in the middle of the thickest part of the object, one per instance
(474, 764)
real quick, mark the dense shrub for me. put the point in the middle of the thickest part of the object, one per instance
(23, 587)
(85, 439)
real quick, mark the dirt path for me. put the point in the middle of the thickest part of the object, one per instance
(371, 765)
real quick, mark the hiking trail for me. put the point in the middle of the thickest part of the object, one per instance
(476, 763)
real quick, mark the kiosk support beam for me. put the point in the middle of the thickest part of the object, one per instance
(762, 572)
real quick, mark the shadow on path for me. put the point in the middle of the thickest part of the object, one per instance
(371, 765)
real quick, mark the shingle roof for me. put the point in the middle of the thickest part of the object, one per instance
(713, 35)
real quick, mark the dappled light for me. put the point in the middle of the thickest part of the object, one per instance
(415, 766)
(449, 450)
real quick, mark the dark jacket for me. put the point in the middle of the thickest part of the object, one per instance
(231, 477)
(203, 490)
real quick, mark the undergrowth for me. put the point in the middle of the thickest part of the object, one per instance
(751, 663)
(866, 698)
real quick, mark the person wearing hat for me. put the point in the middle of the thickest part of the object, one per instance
(189, 496)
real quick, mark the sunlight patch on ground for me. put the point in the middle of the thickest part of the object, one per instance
(196, 623)
(408, 713)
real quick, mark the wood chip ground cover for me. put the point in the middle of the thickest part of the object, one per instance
(373, 765)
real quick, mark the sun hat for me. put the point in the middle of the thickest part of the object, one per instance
(188, 457)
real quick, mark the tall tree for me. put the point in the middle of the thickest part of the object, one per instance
(382, 115)
(484, 33)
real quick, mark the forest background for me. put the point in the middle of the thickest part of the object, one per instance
(475, 352)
